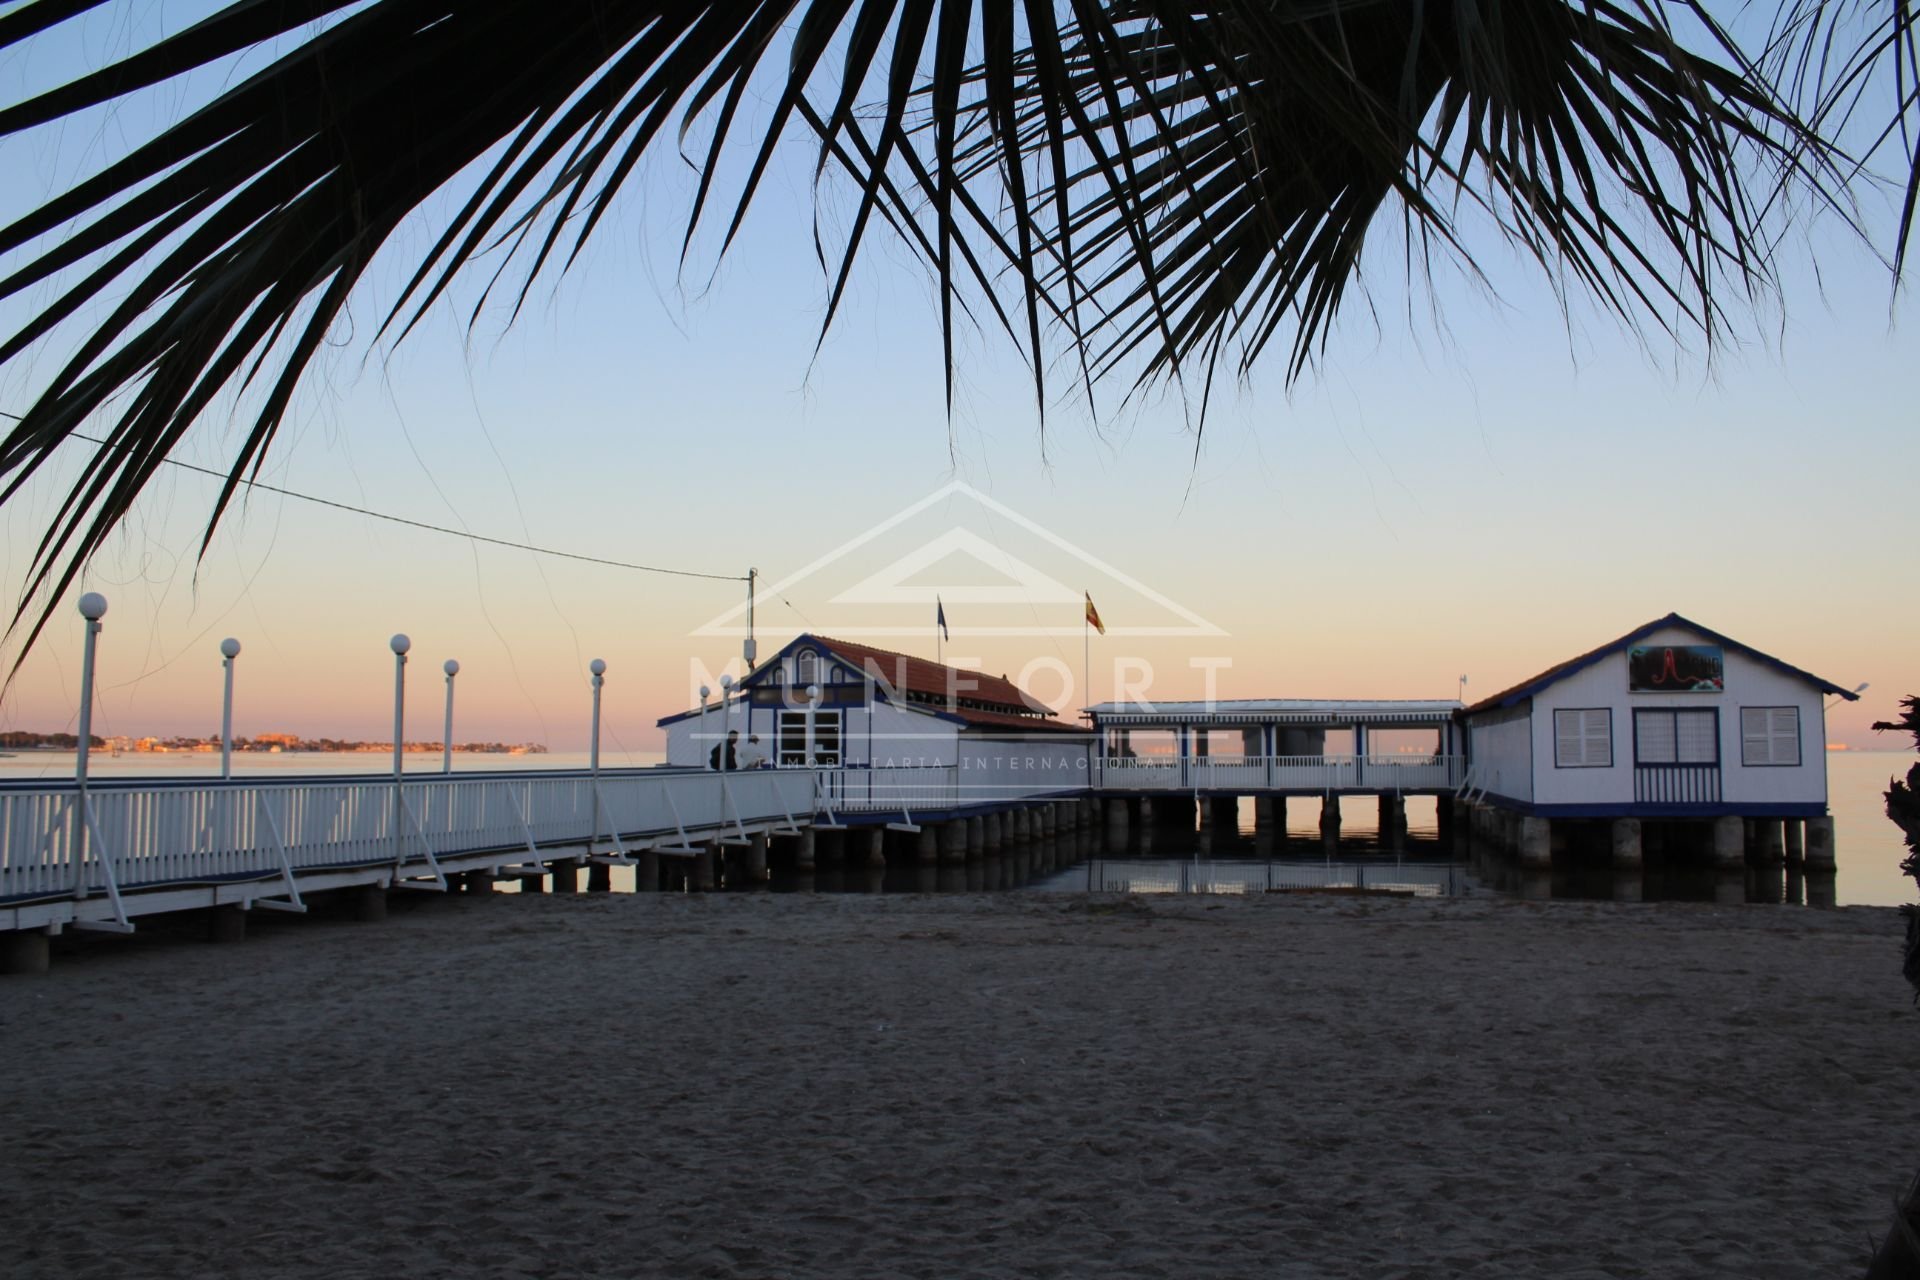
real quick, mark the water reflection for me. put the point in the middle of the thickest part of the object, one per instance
(1167, 850)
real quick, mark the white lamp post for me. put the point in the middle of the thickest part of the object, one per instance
(229, 650)
(599, 669)
(726, 715)
(705, 693)
(93, 607)
(399, 644)
(452, 669)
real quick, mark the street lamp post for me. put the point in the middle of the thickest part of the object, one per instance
(599, 669)
(229, 650)
(93, 607)
(452, 669)
(705, 693)
(726, 715)
(399, 644)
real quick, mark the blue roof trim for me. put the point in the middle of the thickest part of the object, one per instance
(1520, 693)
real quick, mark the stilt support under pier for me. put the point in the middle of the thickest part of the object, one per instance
(26, 951)
(1536, 841)
(369, 902)
(226, 924)
(1729, 842)
(1820, 855)
(1773, 842)
(953, 842)
(1626, 843)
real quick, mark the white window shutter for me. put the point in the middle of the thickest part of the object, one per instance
(1785, 735)
(1567, 739)
(1756, 740)
(1594, 728)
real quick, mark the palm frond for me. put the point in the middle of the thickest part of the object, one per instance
(1153, 182)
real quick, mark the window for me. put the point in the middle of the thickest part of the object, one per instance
(803, 667)
(793, 748)
(1769, 736)
(1676, 737)
(1583, 738)
(826, 739)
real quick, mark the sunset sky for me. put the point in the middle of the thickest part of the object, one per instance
(1465, 484)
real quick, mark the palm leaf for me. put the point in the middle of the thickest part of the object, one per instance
(1152, 182)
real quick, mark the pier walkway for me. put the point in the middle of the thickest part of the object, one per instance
(132, 847)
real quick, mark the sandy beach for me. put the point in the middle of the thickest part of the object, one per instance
(1031, 1085)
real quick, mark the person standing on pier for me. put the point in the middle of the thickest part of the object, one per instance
(731, 762)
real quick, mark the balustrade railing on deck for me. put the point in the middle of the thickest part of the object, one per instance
(1279, 773)
(210, 831)
(951, 786)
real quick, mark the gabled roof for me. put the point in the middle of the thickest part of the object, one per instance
(916, 684)
(903, 673)
(1552, 675)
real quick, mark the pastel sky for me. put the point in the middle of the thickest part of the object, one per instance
(1486, 493)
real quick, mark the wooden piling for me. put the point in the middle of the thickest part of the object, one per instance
(226, 923)
(369, 902)
(26, 951)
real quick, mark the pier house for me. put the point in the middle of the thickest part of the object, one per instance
(889, 733)
(1671, 724)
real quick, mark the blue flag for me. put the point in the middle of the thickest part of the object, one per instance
(940, 618)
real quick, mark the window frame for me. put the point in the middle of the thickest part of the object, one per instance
(1799, 740)
(1583, 763)
(808, 721)
(1676, 763)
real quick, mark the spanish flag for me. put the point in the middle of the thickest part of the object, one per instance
(1093, 616)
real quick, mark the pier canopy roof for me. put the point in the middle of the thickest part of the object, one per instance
(1301, 712)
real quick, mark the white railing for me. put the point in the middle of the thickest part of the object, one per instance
(972, 781)
(1141, 773)
(147, 835)
(1413, 773)
(1279, 773)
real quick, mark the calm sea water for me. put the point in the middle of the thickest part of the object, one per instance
(1868, 845)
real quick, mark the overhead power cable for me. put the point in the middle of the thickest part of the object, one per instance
(421, 524)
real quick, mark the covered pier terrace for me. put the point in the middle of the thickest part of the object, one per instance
(1272, 748)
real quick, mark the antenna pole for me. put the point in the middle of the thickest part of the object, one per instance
(750, 650)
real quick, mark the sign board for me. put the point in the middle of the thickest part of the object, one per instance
(1676, 668)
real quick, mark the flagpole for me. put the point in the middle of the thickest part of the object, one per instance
(1086, 655)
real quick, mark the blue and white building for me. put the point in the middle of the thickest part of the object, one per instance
(1672, 721)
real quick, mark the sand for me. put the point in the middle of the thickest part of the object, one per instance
(752, 1085)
